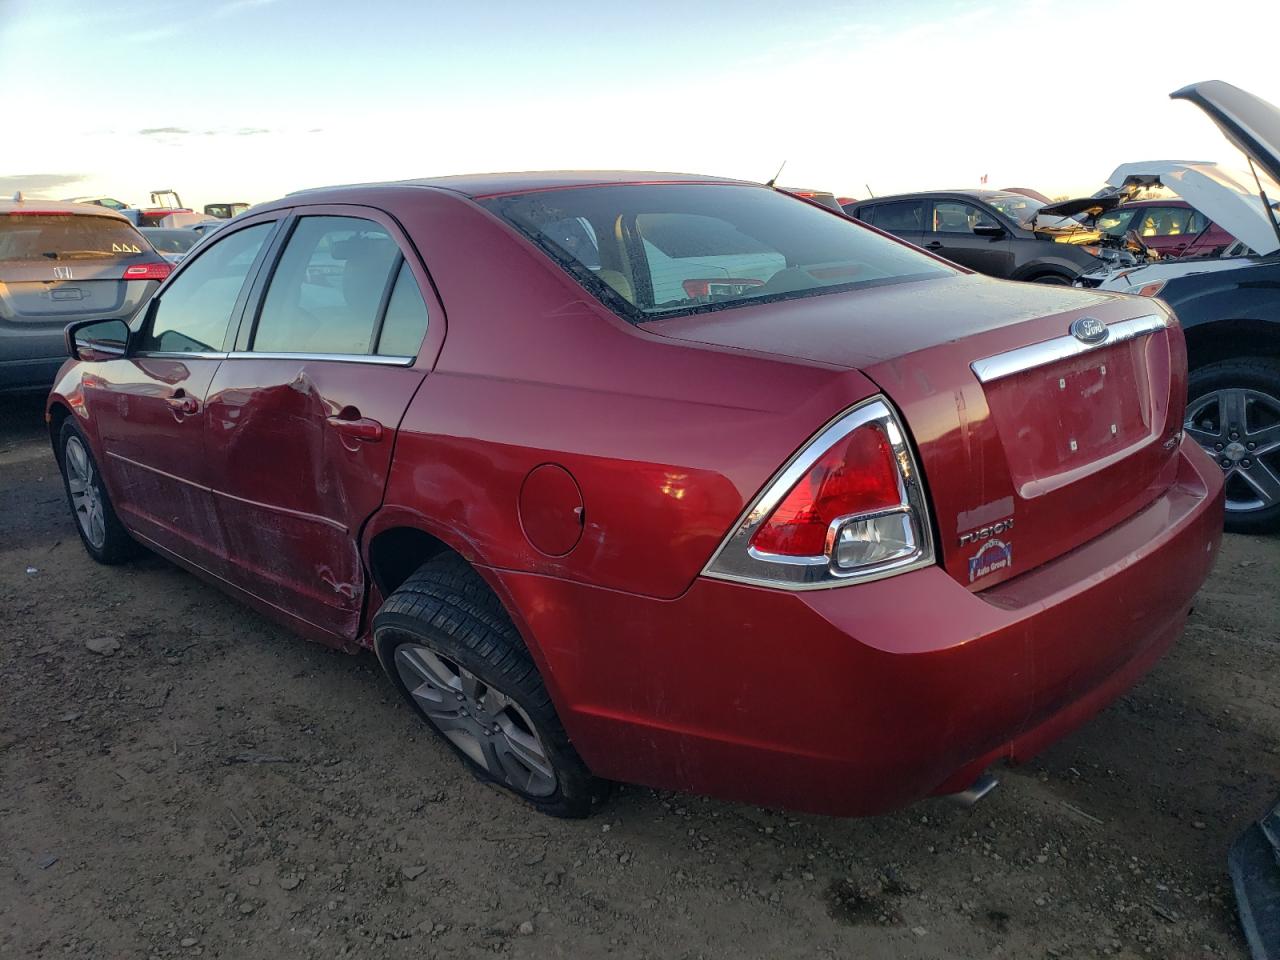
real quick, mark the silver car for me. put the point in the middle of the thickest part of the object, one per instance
(61, 262)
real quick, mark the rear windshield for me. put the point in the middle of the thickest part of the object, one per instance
(36, 237)
(654, 251)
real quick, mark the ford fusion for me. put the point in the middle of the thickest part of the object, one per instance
(671, 480)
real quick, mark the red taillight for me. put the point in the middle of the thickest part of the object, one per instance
(845, 201)
(148, 271)
(857, 475)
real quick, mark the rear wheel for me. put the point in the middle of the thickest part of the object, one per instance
(101, 532)
(453, 653)
(1233, 412)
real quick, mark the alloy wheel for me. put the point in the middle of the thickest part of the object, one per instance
(1240, 429)
(484, 723)
(86, 498)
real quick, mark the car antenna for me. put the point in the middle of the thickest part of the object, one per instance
(774, 178)
(870, 193)
(1266, 202)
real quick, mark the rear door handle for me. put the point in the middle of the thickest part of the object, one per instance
(370, 431)
(183, 403)
(933, 245)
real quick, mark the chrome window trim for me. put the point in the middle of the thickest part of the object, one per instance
(735, 559)
(181, 354)
(1061, 348)
(382, 361)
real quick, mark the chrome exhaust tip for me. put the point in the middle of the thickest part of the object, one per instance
(975, 791)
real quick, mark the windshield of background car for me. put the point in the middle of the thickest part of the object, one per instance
(659, 250)
(1016, 207)
(74, 237)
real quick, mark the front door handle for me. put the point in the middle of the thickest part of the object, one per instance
(183, 403)
(363, 428)
(933, 245)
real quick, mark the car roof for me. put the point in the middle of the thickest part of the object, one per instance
(926, 194)
(59, 206)
(494, 184)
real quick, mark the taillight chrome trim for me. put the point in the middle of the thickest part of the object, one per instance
(736, 560)
(1061, 348)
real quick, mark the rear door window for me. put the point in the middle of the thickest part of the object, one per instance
(328, 289)
(58, 238)
(194, 311)
(405, 323)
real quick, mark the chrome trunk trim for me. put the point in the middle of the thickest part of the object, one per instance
(1061, 348)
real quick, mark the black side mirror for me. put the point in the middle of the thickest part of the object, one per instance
(96, 340)
(992, 230)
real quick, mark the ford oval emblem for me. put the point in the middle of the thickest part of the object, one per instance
(1089, 330)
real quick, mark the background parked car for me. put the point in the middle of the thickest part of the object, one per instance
(172, 243)
(824, 197)
(990, 231)
(225, 211)
(1230, 313)
(111, 203)
(61, 262)
(1171, 228)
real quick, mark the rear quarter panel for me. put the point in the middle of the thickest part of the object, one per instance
(666, 441)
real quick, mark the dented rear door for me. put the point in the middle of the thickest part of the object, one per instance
(302, 416)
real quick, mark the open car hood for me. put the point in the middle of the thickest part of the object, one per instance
(1228, 198)
(1250, 123)
(1069, 208)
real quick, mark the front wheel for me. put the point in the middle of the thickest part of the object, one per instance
(452, 652)
(1233, 412)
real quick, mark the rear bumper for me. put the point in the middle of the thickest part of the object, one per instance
(861, 699)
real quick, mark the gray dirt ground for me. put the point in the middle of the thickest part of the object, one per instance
(370, 840)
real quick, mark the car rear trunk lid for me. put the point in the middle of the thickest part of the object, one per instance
(57, 267)
(1031, 440)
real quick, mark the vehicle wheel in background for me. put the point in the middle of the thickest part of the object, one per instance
(453, 653)
(1053, 278)
(100, 529)
(1233, 412)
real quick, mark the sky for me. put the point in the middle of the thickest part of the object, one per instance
(246, 100)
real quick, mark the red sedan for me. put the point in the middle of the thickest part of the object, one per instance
(672, 480)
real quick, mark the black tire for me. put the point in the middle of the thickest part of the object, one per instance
(106, 541)
(1261, 378)
(448, 609)
(1053, 279)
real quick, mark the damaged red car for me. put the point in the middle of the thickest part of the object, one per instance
(671, 480)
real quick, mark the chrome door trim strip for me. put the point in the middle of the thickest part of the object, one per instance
(1061, 348)
(180, 354)
(340, 357)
